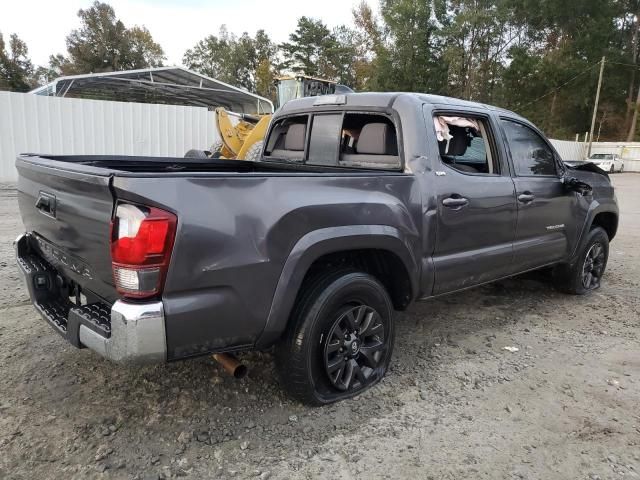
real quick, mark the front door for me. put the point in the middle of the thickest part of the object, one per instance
(543, 234)
(476, 209)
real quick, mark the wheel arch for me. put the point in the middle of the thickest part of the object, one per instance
(603, 215)
(608, 221)
(382, 251)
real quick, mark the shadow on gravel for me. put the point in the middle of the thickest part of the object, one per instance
(200, 391)
(83, 401)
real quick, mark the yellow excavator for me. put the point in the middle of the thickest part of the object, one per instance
(241, 134)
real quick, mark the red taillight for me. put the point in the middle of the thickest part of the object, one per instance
(141, 243)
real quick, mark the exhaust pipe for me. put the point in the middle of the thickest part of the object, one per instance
(231, 364)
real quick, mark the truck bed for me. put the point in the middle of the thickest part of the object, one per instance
(237, 223)
(123, 165)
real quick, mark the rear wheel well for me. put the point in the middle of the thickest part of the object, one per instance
(608, 221)
(384, 265)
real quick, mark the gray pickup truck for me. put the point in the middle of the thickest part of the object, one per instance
(360, 204)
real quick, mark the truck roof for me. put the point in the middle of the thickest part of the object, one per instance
(385, 99)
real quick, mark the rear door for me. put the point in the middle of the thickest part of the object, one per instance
(545, 207)
(476, 206)
(67, 209)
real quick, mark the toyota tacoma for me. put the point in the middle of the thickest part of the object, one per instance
(359, 205)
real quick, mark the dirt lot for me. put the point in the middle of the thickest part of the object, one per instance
(455, 404)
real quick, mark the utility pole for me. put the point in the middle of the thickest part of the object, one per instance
(634, 119)
(595, 107)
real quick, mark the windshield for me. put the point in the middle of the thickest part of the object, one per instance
(601, 156)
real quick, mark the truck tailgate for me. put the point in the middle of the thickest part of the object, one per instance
(68, 213)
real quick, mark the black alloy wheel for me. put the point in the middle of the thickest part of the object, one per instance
(340, 338)
(593, 266)
(584, 274)
(354, 347)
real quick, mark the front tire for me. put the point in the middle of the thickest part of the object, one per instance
(340, 339)
(585, 274)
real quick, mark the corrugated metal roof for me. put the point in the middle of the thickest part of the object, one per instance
(162, 85)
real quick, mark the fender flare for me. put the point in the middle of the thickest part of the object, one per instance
(323, 241)
(594, 209)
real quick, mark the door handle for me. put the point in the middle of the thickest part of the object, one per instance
(455, 202)
(526, 197)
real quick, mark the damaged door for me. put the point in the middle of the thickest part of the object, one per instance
(476, 206)
(545, 206)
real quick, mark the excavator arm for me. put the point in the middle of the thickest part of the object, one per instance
(238, 137)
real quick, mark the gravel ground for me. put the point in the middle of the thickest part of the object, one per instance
(454, 405)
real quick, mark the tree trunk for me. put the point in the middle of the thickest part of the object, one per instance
(552, 111)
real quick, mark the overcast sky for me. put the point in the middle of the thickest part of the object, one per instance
(175, 25)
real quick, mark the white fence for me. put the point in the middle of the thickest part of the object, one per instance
(629, 152)
(38, 124)
(570, 150)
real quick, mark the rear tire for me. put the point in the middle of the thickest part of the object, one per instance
(194, 153)
(585, 274)
(340, 339)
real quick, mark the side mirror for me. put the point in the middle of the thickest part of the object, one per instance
(575, 185)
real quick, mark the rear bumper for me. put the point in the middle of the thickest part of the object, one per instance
(123, 332)
(137, 334)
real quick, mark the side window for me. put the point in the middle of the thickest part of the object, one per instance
(531, 154)
(323, 144)
(370, 141)
(465, 145)
(287, 138)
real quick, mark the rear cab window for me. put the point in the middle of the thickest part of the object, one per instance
(369, 140)
(287, 139)
(337, 139)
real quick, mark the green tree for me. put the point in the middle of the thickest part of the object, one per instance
(104, 44)
(268, 65)
(344, 55)
(308, 49)
(414, 60)
(476, 36)
(551, 75)
(211, 57)
(265, 78)
(372, 62)
(142, 51)
(16, 70)
(315, 50)
(245, 61)
(57, 66)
